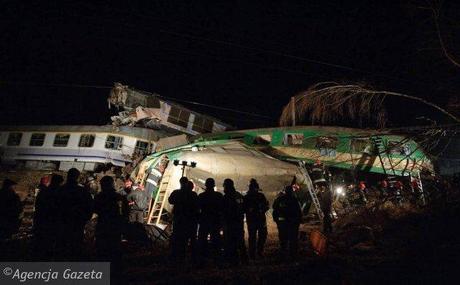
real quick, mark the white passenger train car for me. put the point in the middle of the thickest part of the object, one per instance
(83, 147)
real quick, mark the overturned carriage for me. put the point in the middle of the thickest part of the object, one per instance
(275, 157)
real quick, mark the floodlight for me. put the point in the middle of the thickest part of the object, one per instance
(339, 190)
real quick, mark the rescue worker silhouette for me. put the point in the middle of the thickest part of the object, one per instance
(44, 183)
(362, 189)
(211, 211)
(255, 206)
(318, 173)
(383, 188)
(287, 216)
(234, 245)
(108, 207)
(185, 219)
(10, 209)
(75, 208)
(127, 187)
(398, 189)
(124, 191)
(45, 219)
(326, 199)
(138, 202)
(92, 186)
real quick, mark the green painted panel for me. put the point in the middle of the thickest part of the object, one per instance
(257, 139)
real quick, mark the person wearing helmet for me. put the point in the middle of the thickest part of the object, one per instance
(46, 219)
(92, 186)
(287, 216)
(318, 174)
(44, 183)
(362, 189)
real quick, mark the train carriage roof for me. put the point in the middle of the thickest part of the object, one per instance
(147, 134)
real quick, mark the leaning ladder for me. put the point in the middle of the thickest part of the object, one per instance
(418, 179)
(157, 208)
(378, 142)
(311, 190)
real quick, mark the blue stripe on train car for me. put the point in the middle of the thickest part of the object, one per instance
(72, 155)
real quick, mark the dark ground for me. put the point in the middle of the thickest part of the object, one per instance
(407, 246)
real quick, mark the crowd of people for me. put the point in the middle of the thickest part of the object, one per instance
(10, 209)
(63, 208)
(199, 218)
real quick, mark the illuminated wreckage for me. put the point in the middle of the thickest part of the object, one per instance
(276, 157)
(150, 110)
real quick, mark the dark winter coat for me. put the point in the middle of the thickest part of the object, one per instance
(286, 209)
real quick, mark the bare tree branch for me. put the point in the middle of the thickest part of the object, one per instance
(329, 102)
(436, 12)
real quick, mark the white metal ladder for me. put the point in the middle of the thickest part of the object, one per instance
(160, 200)
(418, 179)
(311, 190)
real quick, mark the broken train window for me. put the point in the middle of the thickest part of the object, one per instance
(61, 140)
(37, 139)
(178, 116)
(202, 124)
(293, 139)
(152, 102)
(14, 139)
(327, 145)
(86, 140)
(398, 147)
(114, 142)
(142, 148)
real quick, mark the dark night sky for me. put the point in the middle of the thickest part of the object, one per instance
(217, 54)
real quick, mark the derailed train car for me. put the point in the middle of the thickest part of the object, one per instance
(274, 157)
(82, 147)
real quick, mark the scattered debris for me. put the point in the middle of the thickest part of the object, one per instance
(149, 110)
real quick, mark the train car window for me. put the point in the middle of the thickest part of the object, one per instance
(14, 139)
(141, 148)
(86, 140)
(37, 139)
(396, 147)
(362, 146)
(114, 142)
(263, 139)
(153, 102)
(202, 125)
(178, 116)
(327, 145)
(293, 139)
(61, 140)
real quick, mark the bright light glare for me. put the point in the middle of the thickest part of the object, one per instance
(339, 190)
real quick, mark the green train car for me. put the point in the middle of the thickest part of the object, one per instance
(274, 157)
(372, 151)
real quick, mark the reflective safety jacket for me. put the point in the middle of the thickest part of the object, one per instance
(286, 209)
